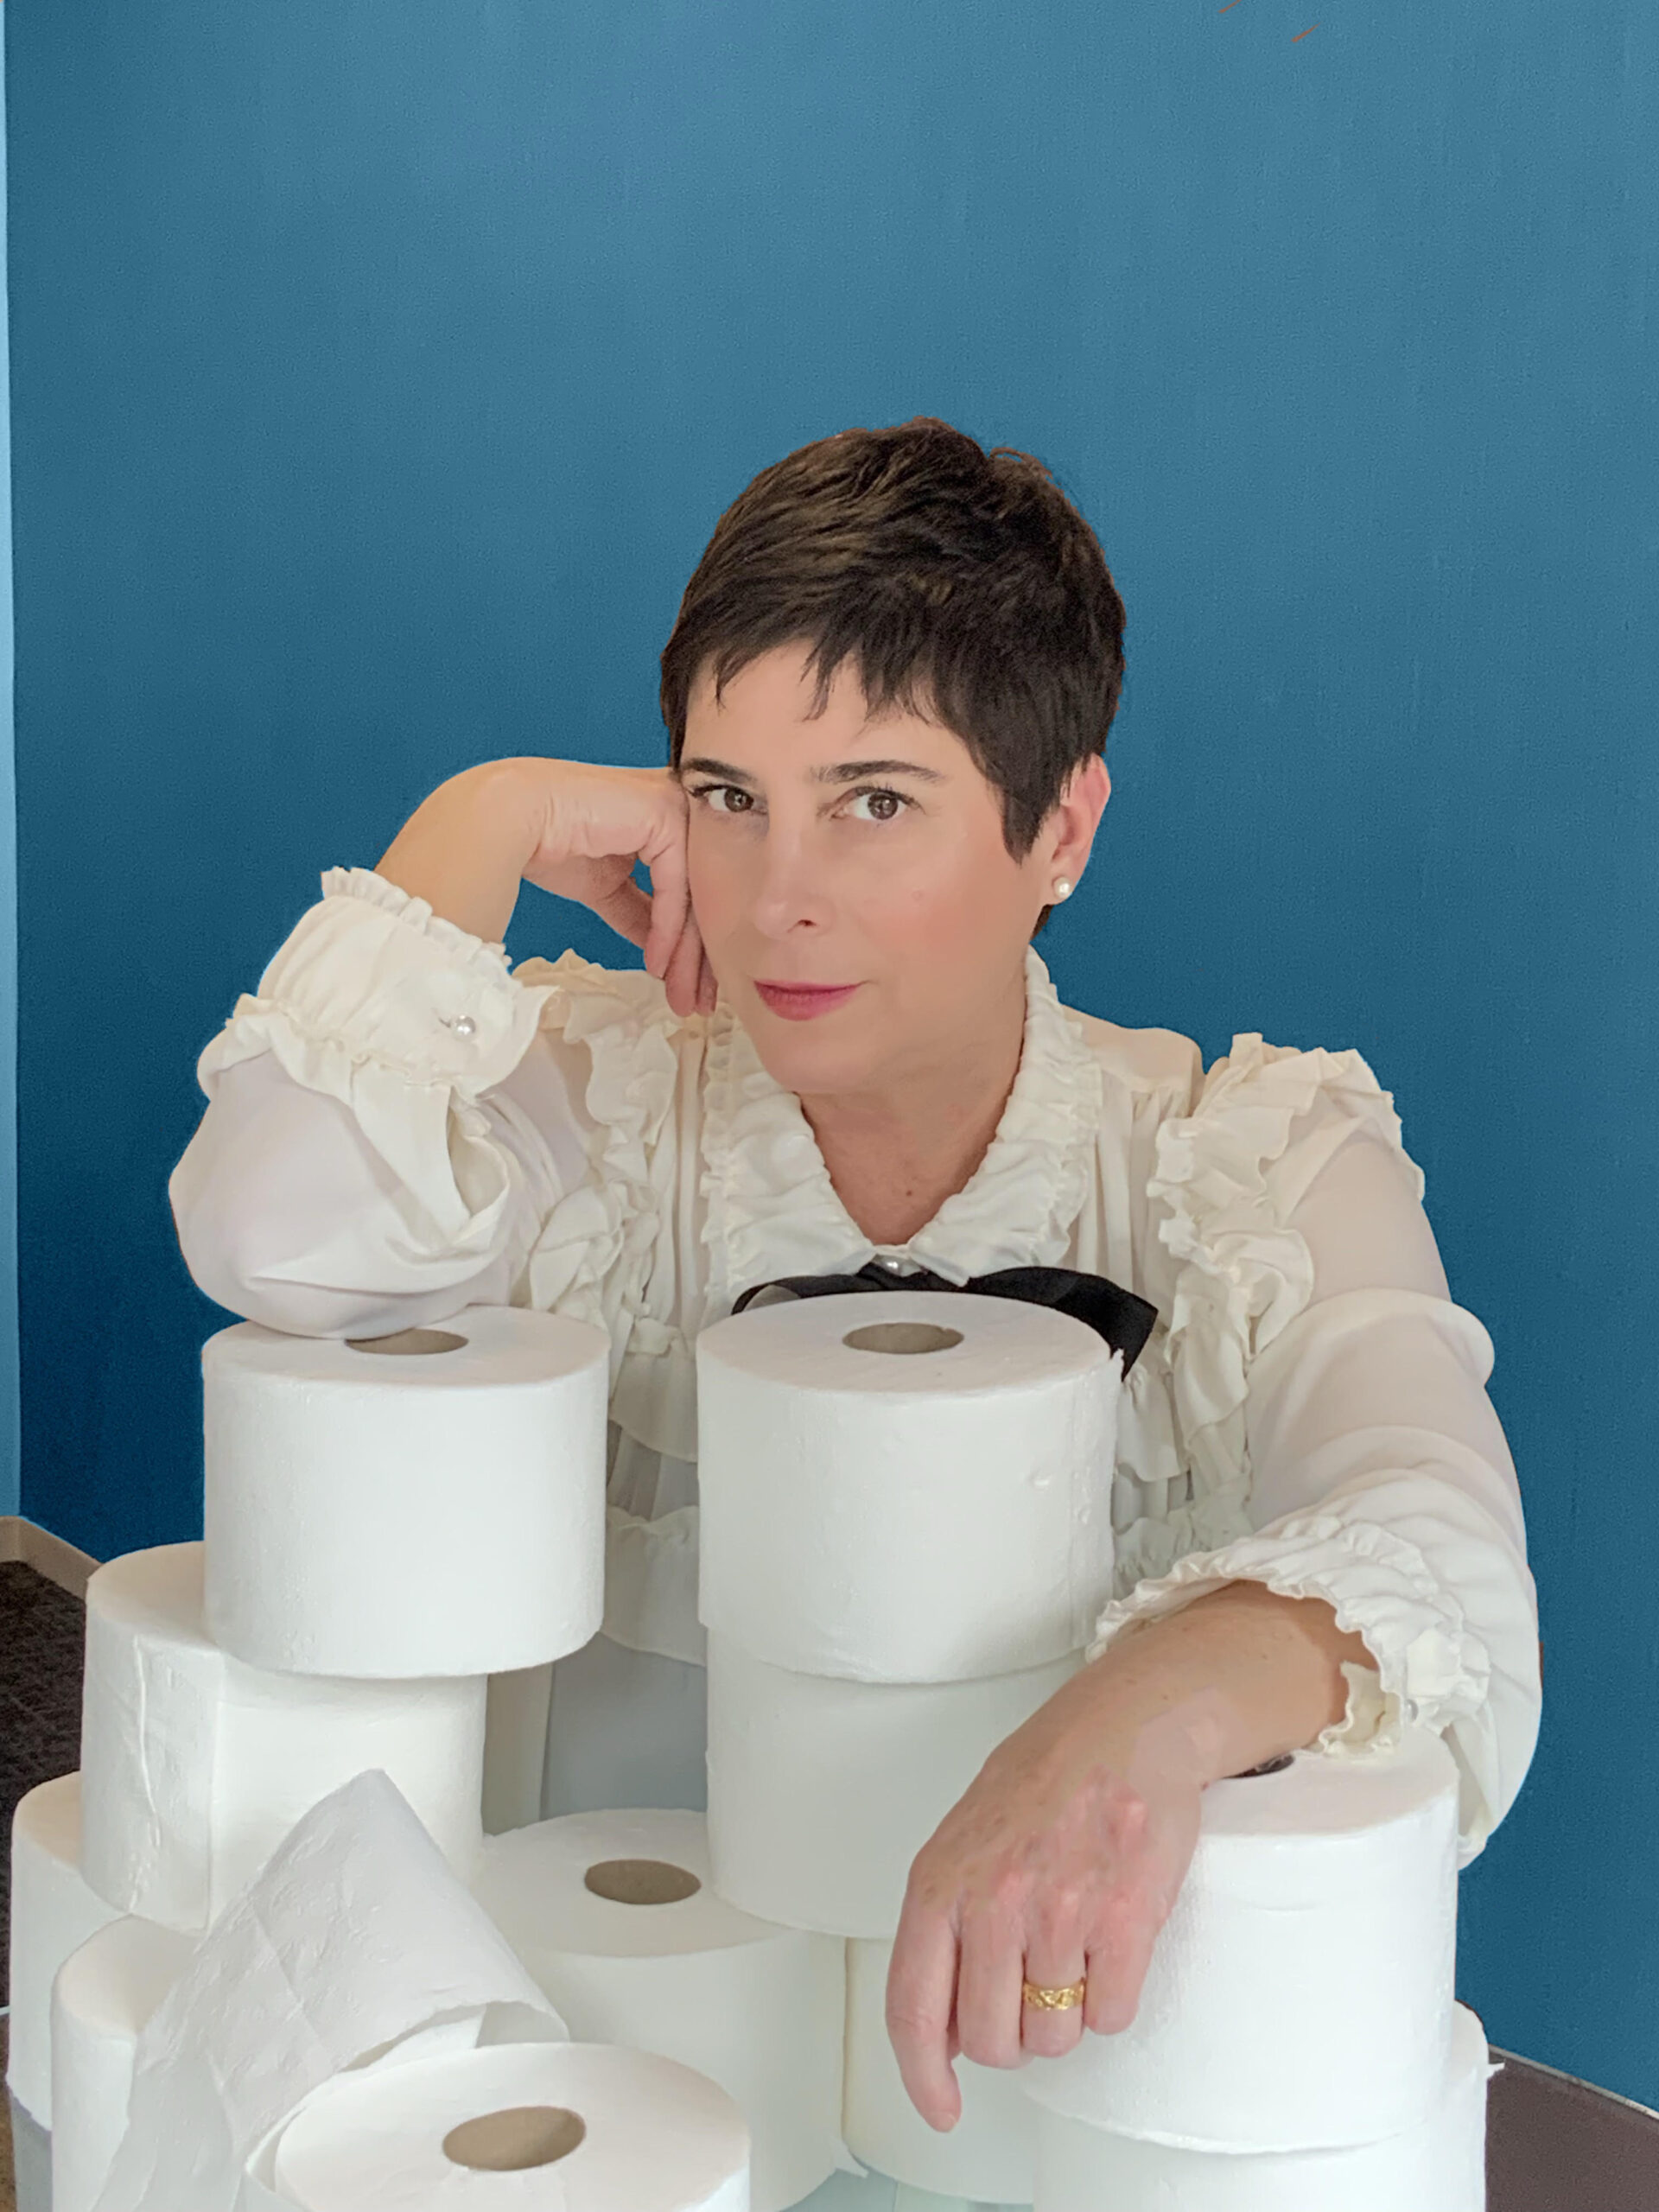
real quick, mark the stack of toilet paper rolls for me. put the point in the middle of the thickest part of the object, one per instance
(905, 1543)
(1296, 2045)
(386, 1524)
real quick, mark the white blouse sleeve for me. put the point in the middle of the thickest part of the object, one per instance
(391, 1124)
(1322, 1373)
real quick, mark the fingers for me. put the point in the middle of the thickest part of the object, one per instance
(670, 909)
(992, 1950)
(1054, 1959)
(689, 979)
(921, 1989)
(1120, 1951)
(627, 911)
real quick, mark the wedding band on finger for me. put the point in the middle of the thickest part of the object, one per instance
(1043, 1998)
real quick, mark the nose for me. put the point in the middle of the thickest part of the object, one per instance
(789, 886)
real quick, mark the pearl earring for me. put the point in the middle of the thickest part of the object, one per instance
(1062, 889)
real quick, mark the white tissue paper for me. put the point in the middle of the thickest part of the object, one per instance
(354, 1945)
(1437, 2164)
(989, 2156)
(643, 2134)
(906, 1516)
(1300, 1995)
(196, 1766)
(822, 1791)
(615, 1916)
(53, 1913)
(435, 1507)
(104, 1995)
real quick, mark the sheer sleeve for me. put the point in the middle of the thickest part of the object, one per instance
(1323, 1373)
(389, 1125)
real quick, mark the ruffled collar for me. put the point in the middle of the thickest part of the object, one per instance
(771, 1208)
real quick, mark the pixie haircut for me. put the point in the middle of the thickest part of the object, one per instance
(964, 585)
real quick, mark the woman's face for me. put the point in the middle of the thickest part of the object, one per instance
(834, 849)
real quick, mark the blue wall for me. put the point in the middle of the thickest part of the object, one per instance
(10, 1487)
(381, 367)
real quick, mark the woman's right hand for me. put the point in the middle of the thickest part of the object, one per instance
(574, 829)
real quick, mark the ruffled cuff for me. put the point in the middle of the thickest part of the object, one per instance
(376, 1000)
(1430, 1666)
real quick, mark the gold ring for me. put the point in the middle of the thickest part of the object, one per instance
(1052, 2000)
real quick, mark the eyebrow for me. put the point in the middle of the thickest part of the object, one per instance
(841, 771)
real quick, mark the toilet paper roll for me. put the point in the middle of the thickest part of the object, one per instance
(432, 1502)
(104, 1995)
(1437, 2164)
(196, 1766)
(573, 2127)
(53, 1912)
(1300, 1995)
(354, 1945)
(822, 1791)
(615, 1916)
(915, 1496)
(990, 2155)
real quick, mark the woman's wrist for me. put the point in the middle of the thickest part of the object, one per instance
(465, 847)
(1235, 1678)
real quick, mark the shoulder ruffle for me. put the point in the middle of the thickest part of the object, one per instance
(1228, 1178)
(593, 1259)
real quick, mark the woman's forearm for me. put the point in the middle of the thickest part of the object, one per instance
(1240, 1674)
(464, 849)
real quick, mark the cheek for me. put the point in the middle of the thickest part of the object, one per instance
(961, 898)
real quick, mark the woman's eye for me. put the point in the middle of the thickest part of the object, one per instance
(707, 790)
(886, 813)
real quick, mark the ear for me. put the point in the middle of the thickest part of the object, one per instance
(1070, 830)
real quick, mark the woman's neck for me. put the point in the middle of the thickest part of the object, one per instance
(896, 1156)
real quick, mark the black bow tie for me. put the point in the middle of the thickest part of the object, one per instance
(1123, 1319)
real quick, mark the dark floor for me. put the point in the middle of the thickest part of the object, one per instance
(41, 1632)
(1553, 2144)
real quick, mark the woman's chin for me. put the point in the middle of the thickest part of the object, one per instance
(811, 1055)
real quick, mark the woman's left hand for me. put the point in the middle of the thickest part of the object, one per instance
(1060, 1865)
(1065, 1858)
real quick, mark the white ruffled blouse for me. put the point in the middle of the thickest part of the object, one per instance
(400, 1125)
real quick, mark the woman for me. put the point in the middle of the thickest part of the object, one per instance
(888, 695)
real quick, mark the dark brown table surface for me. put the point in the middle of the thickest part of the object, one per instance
(1557, 2144)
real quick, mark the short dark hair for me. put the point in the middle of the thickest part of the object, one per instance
(963, 584)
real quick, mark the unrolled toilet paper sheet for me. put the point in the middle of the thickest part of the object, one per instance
(53, 1913)
(822, 1791)
(659, 1962)
(654, 2135)
(434, 1509)
(1300, 1995)
(354, 1943)
(197, 1765)
(1437, 2164)
(914, 1515)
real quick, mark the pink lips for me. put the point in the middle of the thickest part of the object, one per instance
(800, 1004)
